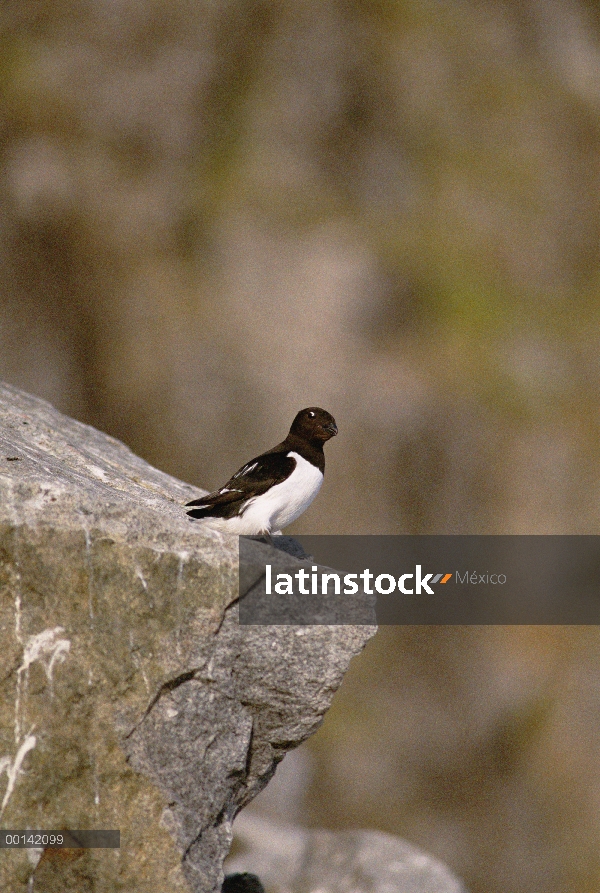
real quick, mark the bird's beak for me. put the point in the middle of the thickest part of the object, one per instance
(332, 428)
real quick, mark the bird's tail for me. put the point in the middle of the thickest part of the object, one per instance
(200, 512)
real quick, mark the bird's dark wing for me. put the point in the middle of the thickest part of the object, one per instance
(253, 479)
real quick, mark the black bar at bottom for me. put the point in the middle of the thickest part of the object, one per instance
(60, 839)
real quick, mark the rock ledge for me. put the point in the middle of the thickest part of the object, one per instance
(130, 697)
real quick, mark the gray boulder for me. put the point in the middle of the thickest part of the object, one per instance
(130, 697)
(295, 860)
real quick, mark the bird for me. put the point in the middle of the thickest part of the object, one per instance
(273, 489)
(242, 883)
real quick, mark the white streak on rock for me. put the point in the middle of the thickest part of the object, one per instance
(136, 659)
(13, 767)
(183, 557)
(96, 783)
(88, 561)
(18, 618)
(47, 649)
(98, 473)
(34, 854)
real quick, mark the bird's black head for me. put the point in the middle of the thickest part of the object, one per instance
(314, 424)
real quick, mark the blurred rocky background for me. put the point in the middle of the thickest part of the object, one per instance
(213, 213)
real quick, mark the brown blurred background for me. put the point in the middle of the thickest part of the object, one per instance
(213, 213)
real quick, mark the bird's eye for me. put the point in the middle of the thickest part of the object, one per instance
(312, 415)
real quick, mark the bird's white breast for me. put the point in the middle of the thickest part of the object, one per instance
(283, 503)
